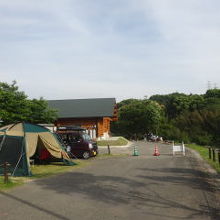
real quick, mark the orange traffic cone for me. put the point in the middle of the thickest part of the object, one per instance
(156, 151)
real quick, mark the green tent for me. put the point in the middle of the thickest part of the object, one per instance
(21, 141)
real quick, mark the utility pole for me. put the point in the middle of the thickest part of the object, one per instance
(209, 85)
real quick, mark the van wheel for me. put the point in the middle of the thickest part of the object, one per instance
(86, 155)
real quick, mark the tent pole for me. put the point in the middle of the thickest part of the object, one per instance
(3, 139)
(17, 164)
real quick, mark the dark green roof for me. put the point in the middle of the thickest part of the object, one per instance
(84, 108)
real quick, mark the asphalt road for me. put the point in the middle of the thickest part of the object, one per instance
(126, 188)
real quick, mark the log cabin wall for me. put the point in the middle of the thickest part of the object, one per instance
(83, 122)
(104, 126)
(101, 125)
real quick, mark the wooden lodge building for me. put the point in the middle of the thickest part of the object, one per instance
(95, 115)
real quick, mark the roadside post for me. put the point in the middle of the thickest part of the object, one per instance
(210, 153)
(5, 171)
(219, 157)
(109, 150)
(213, 154)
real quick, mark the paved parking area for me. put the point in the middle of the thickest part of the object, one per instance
(124, 188)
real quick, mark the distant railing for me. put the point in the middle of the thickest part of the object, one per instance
(214, 154)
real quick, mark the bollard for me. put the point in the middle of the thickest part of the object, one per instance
(219, 157)
(213, 154)
(6, 164)
(109, 150)
(210, 153)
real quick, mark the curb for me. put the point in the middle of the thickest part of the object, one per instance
(123, 146)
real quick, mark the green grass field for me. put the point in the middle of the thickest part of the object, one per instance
(13, 181)
(204, 152)
(118, 142)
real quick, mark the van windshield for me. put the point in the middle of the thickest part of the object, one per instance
(86, 137)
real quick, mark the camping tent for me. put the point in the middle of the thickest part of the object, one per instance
(20, 141)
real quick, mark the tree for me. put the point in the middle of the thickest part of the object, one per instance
(177, 103)
(15, 106)
(138, 116)
(13, 103)
(174, 103)
(127, 102)
(212, 93)
(39, 111)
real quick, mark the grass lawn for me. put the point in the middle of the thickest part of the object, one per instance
(13, 181)
(118, 142)
(204, 152)
(39, 171)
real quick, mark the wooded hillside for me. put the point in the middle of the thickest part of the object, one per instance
(176, 116)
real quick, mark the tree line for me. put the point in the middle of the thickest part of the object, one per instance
(15, 106)
(177, 116)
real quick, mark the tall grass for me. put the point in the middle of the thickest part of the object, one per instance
(204, 152)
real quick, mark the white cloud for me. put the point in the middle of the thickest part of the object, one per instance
(118, 48)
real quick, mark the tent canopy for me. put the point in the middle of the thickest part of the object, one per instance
(20, 141)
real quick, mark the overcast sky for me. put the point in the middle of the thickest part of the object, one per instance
(69, 49)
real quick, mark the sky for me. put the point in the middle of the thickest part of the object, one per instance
(72, 49)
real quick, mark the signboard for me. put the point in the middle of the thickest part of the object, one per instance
(179, 148)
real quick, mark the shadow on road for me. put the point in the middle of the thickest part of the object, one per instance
(32, 205)
(138, 190)
(195, 179)
(108, 189)
(189, 177)
(125, 191)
